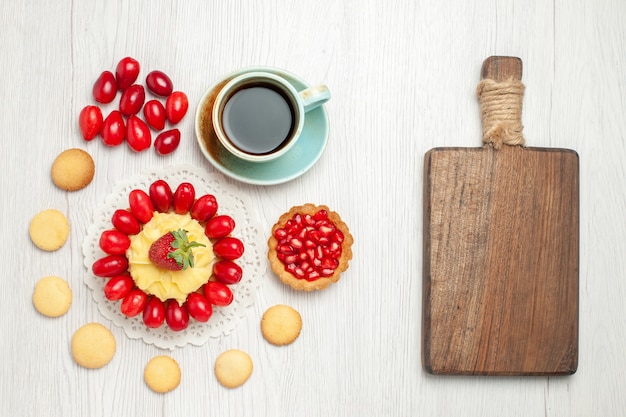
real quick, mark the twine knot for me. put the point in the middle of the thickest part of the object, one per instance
(501, 111)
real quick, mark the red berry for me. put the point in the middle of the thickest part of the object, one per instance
(125, 222)
(167, 142)
(159, 83)
(90, 122)
(154, 113)
(176, 316)
(132, 100)
(138, 134)
(227, 272)
(204, 208)
(154, 313)
(184, 197)
(229, 248)
(173, 251)
(176, 106)
(199, 307)
(219, 226)
(113, 129)
(110, 266)
(133, 303)
(105, 88)
(118, 287)
(141, 205)
(126, 72)
(161, 195)
(218, 294)
(114, 242)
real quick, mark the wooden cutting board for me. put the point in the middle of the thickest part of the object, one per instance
(501, 243)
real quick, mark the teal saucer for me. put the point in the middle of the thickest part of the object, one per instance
(298, 160)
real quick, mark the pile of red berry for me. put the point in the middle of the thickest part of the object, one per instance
(125, 123)
(113, 266)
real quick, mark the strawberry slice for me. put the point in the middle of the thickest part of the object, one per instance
(172, 251)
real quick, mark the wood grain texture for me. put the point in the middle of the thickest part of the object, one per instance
(501, 261)
(502, 68)
(501, 249)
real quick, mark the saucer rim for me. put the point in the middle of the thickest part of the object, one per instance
(292, 78)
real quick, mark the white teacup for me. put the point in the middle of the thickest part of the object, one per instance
(258, 116)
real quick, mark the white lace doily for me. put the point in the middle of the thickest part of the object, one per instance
(224, 319)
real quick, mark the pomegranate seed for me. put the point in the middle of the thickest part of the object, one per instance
(308, 219)
(339, 237)
(297, 219)
(329, 263)
(299, 272)
(326, 264)
(314, 236)
(280, 233)
(286, 249)
(291, 259)
(326, 230)
(327, 272)
(296, 243)
(320, 215)
(313, 275)
(310, 244)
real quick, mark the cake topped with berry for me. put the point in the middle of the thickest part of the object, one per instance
(310, 247)
(170, 257)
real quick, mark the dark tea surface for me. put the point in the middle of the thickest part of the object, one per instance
(257, 119)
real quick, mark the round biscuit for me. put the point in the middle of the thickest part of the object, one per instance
(233, 368)
(93, 346)
(73, 169)
(281, 325)
(49, 229)
(52, 296)
(162, 374)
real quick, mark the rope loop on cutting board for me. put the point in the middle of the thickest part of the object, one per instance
(501, 111)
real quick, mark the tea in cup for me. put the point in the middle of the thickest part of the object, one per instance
(258, 116)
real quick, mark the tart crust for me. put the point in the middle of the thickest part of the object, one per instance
(323, 282)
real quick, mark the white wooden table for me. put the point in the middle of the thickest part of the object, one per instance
(402, 75)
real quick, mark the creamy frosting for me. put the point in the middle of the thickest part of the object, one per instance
(162, 283)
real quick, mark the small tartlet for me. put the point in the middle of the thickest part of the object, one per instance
(279, 242)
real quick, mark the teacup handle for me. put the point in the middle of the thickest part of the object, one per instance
(313, 97)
